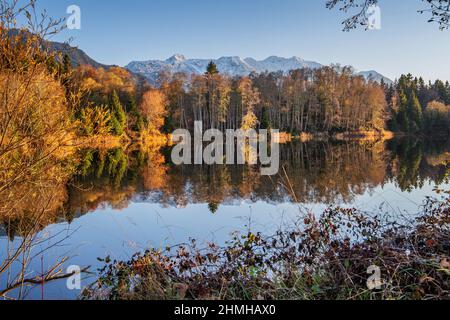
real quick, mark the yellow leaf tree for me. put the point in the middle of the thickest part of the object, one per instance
(153, 108)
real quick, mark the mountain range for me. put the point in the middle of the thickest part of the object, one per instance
(233, 66)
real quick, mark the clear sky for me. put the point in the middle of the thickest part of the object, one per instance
(120, 31)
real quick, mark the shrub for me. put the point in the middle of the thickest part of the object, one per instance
(325, 258)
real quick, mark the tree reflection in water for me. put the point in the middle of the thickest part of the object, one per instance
(320, 172)
(65, 188)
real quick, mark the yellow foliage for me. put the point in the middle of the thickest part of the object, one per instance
(34, 110)
(155, 173)
(106, 81)
(95, 121)
(89, 84)
(153, 108)
(36, 122)
(249, 121)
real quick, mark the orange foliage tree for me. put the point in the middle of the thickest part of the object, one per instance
(153, 108)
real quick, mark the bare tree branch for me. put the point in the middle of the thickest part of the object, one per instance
(439, 10)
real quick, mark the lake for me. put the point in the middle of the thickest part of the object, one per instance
(125, 200)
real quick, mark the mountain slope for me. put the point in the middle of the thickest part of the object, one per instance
(233, 66)
(374, 76)
(77, 56)
(274, 64)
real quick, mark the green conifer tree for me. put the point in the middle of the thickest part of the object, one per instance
(212, 69)
(66, 65)
(402, 116)
(119, 117)
(415, 113)
(447, 92)
(265, 121)
(213, 207)
(138, 118)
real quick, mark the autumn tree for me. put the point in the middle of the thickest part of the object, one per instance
(94, 121)
(197, 95)
(437, 118)
(153, 109)
(224, 92)
(176, 100)
(36, 129)
(249, 98)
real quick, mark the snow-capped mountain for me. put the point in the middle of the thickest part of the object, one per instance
(273, 64)
(374, 76)
(233, 66)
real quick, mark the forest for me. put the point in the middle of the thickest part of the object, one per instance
(328, 100)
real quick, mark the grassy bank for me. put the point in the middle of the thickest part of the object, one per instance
(368, 135)
(335, 256)
(112, 141)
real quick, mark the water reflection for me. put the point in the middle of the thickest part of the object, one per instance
(318, 172)
(197, 201)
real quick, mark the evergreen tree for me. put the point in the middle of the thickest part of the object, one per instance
(117, 129)
(119, 117)
(402, 116)
(410, 111)
(65, 69)
(212, 69)
(447, 92)
(135, 113)
(441, 90)
(66, 65)
(422, 92)
(391, 98)
(265, 121)
(169, 124)
(415, 113)
(213, 207)
(52, 65)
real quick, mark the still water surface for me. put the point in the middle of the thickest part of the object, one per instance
(124, 201)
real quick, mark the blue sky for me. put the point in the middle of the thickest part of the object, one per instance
(119, 31)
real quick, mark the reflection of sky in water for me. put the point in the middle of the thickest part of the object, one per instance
(142, 225)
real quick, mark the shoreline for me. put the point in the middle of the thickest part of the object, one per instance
(152, 140)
